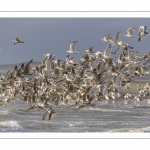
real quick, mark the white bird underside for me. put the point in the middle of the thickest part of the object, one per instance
(107, 38)
(73, 48)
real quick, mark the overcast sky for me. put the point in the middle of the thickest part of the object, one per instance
(54, 36)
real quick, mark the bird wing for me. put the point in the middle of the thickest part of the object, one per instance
(120, 56)
(72, 46)
(109, 84)
(108, 37)
(27, 67)
(107, 51)
(51, 115)
(17, 39)
(33, 107)
(46, 114)
(129, 31)
(81, 106)
(117, 48)
(116, 38)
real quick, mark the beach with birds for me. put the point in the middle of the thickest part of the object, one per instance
(84, 88)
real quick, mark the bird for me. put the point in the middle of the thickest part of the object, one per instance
(143, 29)
(47, 112)
(143, 32)
(96, 76)
(17, 41)
(130, 32)
(73, 48)
(52, 114)
(85, 104)
(120, 45)
(107, 38)
(115, 40)
(26, 70)
(143, 35)
(107, 51)
(90, 50)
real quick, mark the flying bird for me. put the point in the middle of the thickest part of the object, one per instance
(17, 41)
(73, 48)
(130, 32)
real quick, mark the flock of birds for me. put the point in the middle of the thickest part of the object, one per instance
(97, 76)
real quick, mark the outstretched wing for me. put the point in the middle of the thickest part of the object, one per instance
(27, 67)
(46, 114)
(116, 38)
(107, 51)
(17, 39)
(51, 115)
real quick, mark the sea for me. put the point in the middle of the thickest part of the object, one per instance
(106, 116)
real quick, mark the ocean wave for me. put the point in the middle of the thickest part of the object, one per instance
(145, 129)
(91, 108)
(10, 125)
(4, 113)
(125, 130)
(105, 110)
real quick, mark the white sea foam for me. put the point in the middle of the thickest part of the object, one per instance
(145, 129)
(10, 125)
(125, 130)
(105, 110)
(91, 108)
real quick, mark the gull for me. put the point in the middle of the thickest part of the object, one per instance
(143, 29)
(117, 83)
(46, 57)
(73, 48)
(90, 50)
(67, 58)
(143, 32)
(72, 61)
(120, 45)
(115, 40)
(95, 89)
(130, 32)
(27, 68)
(16, 41)
(107, 38)
(69, 77)
(142, 35)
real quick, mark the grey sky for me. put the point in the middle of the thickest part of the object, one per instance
(54, 36)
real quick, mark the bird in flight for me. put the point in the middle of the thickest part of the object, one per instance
(17, 41)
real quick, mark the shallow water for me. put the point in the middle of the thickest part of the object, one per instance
(112, 116)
